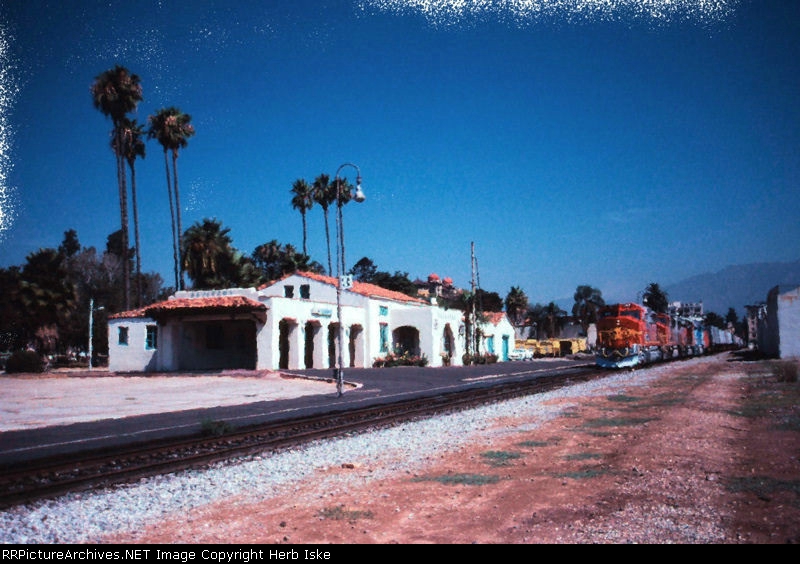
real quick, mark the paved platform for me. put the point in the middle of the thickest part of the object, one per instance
(63, 398)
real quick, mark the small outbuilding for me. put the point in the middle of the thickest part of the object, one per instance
(779, 329)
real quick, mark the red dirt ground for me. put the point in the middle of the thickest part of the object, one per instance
(706, 453)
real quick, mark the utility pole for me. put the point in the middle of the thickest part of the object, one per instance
(473, 321)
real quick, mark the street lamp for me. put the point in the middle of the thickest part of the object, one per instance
(92, 309)
(342, 280)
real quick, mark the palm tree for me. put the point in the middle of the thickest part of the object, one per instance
(324, 193)
(302, 200)
(588, 301)
(548, 318)
(133, 147)
(116, 92)
(207, 253)
(516, 305)
(171, 128)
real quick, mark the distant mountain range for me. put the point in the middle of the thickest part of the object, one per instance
(735, 286)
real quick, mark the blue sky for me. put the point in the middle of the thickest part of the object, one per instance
(612, 143)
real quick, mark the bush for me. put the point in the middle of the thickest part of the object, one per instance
(785, 371)
(24, 361)
(405, 359)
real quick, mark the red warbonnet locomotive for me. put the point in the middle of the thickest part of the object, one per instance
(629, 335)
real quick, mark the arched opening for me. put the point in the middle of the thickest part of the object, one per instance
(311, 330)
(354, 346)
(333, 334)
(448, 343)
(284, 330)
(406, 340)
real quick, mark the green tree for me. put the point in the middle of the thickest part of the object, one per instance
(116, 92)
(547, 320)
(488, 301)
(655, 298)
(171, 128)
(13, 321)
(70, 245)
(588, 301)
(714, 320)
(364, 270)
(398, 282)
(46, 296)
(324, 193)
(302, 200)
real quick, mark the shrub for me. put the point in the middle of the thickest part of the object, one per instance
(785, 371)
(24, 361)
(405, 359)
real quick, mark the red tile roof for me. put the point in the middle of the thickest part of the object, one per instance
(195, 305)
(494, 317)
(218, 303)
(363, 288)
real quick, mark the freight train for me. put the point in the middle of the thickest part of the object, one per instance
(630, 335)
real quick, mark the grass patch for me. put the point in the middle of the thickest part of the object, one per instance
(772, 400)
(596, 433)
(617, 422)
(338, 513)
(534, 444)
(790, 423)
(583, 456)
(461, 479)
(622, 398)
(500, 457)
(583, 473)
(763, 487)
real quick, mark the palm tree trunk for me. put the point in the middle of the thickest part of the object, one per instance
(136, 235)
(305, 234)
(328, 239)
(178, 216)
(172, 220)
(123, 212)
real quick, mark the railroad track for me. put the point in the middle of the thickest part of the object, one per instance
(108, 467)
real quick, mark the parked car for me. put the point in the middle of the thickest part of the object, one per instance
(520, 354)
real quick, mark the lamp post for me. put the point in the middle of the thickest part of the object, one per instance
(342, 279)
(92, 309)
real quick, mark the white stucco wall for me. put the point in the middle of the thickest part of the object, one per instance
(789, 323)
(133, 356)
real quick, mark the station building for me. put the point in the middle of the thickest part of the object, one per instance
(292, 324)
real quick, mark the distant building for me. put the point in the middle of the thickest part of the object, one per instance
(754, 315)
(688, 310)
(497, 335)
(436, 287)
(779, 329)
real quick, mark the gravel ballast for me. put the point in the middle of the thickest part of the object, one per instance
(87, 517)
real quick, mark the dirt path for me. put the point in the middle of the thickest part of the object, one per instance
(707, 453)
